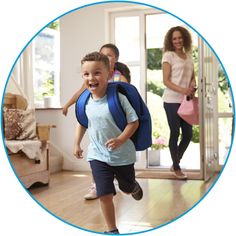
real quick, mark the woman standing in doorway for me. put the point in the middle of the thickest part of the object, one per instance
(179, 79)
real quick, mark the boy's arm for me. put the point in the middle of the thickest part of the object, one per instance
(124, 136)
(123, 79)
(73, 100)
(79, 134)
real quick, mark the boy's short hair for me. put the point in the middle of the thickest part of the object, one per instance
(96, 56)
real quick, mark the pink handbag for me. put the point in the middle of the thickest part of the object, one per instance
(188, 110)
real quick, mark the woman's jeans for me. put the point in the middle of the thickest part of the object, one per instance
(175, 123)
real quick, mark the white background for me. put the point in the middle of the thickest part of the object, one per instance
(20, 21)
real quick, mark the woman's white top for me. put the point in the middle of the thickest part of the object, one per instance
(181, 75)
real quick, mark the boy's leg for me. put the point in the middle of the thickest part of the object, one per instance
(104, 176)
(137, 193)
(125, 176)
(108, 211)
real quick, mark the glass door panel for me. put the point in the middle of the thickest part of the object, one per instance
(225, 135)
(135, 76)
(225, 117)
(127, 38)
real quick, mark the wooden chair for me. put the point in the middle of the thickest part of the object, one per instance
(28, 170)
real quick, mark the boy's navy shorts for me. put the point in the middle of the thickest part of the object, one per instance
(104, 175)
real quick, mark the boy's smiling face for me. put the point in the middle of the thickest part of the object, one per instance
(95, 75)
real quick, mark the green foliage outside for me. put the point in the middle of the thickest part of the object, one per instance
(154, 57)
(48, 86)
(224, 101)
(195, 60)
(222, 82)
(54, 25)
(159, 122)
(196, 134)
(156, 87)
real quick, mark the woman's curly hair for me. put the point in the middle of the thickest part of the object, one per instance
(187, 39)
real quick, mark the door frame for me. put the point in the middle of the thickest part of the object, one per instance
(110, 37)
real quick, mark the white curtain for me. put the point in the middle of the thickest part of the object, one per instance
(22, 75)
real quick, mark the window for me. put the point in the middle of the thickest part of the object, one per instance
(126, 36)
(46, 57)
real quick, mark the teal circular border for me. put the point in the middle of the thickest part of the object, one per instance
(137, 3)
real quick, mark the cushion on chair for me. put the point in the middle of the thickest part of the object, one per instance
(19, 124)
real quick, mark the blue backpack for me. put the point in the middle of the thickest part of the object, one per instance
(142, 138)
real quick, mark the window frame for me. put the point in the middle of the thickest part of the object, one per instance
(55, 68)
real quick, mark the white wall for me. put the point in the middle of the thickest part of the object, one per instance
(82, 31)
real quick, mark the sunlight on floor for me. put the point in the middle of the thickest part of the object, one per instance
(129, 226)
(191, 159)
(80, 175)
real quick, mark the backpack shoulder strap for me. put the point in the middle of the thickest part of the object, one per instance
(115, 105)
(80, 108)
(142, 138)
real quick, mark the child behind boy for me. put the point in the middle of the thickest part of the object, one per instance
(111, 153)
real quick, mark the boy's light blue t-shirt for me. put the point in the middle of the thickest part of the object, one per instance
(102, 127)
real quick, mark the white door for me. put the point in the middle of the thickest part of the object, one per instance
(216, 108)
(208, 110)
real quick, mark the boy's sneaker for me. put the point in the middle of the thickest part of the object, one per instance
(92, 193)
(115, 231)
(137, 193)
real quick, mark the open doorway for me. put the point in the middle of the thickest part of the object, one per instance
(156, 27)
(139, 35)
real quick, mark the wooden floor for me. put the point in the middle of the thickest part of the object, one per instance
(163, 201)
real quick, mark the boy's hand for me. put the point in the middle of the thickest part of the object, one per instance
(65, 110)
(129, 130)
(78, 152)
(113, 143)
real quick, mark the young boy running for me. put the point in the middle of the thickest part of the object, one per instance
(111, 153)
